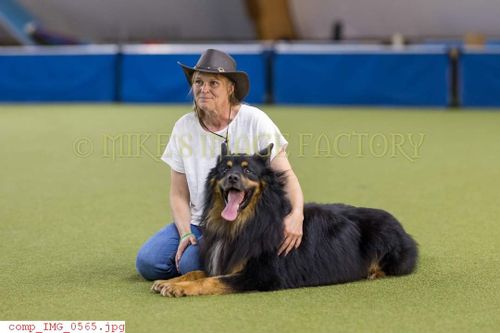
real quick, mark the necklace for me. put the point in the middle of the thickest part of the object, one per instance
(226, 141)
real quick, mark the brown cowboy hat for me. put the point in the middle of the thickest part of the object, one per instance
(218, 62)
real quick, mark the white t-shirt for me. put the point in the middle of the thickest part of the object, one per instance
(193, 151)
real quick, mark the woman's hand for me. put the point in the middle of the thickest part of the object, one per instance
(293, 232)
(185, 240)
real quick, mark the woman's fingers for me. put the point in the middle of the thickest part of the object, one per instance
(290, 242)
(182, 247)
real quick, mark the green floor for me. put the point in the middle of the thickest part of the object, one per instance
(81, 187)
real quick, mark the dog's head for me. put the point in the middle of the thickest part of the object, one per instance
(236, 183)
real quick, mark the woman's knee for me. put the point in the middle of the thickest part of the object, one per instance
(155, 259)
(151, 268)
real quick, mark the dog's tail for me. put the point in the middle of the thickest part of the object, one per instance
(402, 259)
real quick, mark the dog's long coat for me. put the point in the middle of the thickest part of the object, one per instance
(243, 230)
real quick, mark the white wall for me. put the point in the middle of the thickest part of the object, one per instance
(381, 18)
(174, 20)
(129, 20)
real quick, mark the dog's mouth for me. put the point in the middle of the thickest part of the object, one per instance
(235, 200)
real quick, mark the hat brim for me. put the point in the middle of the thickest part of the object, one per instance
(240, 79)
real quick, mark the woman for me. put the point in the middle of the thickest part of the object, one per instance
(219, 116)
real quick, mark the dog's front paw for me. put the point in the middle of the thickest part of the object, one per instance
(168, 288)
(174, 290)
(159, 285)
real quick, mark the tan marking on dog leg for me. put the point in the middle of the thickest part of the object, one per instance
(375, 272)
(158, 285)
(238, 268)
(206, 286)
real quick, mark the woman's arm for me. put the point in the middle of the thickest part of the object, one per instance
(179, 203)
(293, 222)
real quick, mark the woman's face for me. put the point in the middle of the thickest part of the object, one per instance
(211, 92)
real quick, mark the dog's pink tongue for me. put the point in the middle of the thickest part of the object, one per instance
(234, 200)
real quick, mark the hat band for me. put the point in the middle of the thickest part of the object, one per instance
(218, 69)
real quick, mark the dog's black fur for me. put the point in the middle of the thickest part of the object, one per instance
(340, 243)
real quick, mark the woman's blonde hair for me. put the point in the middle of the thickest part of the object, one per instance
(232, 98)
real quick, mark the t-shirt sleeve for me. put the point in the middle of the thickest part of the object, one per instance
(172, 154)
(268, 133)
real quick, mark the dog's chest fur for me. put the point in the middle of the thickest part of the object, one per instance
(214, 258)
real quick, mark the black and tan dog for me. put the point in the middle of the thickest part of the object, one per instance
(243, 229)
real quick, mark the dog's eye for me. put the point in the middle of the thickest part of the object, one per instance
(248, 170)
(224, 170)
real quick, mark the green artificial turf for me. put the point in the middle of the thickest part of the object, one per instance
(72, 218)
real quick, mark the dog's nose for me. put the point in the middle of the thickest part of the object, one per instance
(233, 178)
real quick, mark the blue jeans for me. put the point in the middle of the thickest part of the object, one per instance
(156, 258)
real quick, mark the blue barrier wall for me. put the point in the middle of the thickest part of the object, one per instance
(365, 75)
(299, 73)
(58, 74)
(151, 73)
(480, 77)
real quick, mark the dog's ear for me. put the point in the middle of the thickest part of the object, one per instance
(224, 151)
(265, 153)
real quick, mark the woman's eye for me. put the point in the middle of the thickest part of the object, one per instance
(214, 84)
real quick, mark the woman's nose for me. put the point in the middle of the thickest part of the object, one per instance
(205, 88)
